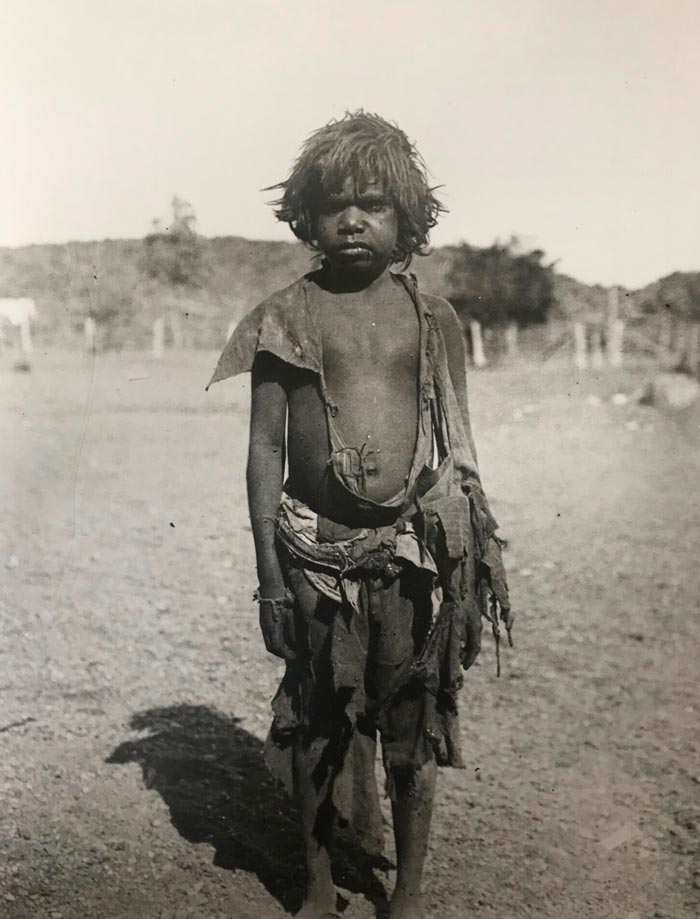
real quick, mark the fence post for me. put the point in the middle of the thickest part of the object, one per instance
(616, 339)
(666, 336)
(616, 328)
(176, 332)
(25, 336)
(693, 348)
(90, 328)
(158, 337)
(580, 346)
(478, 356)
(512, 340)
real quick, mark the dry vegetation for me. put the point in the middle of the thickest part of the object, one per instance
(111, 281)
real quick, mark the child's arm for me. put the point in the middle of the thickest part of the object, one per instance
(265, 471)
(457, 362)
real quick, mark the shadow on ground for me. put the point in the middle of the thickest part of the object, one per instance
(211, 774)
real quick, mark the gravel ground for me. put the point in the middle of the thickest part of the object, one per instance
(135, 689)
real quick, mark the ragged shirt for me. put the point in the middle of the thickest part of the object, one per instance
(286, 325)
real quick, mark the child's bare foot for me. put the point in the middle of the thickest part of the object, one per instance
(319, 903)
(406, 906)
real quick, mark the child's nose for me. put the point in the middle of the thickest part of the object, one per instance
(351, 220)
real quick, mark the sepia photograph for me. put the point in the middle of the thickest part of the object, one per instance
(350, 459)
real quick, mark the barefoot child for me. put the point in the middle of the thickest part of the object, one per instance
(377, 556)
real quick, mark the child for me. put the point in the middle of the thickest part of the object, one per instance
(378, 555)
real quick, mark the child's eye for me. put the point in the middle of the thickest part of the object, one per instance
(332, 208)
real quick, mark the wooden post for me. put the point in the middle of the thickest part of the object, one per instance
(580, 346)
(666, 334)
(512, 340)
(616, 340)
(478, 356)
(597, 359)
(25, 336)
(158, 337)
(693, 349)
(176, 331)
(616, 328)
(553, 331)
(90, 328)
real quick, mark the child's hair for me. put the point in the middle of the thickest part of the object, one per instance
(364, 148)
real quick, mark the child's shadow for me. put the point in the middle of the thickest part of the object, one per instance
(211, 774)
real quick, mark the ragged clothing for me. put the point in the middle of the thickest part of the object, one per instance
(364, 604)
(328, 560)
(440, 553)
(287, 326)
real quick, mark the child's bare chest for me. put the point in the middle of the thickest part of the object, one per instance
(371, 373)
(370, 341)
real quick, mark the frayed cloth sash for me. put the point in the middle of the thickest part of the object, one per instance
(329, 563)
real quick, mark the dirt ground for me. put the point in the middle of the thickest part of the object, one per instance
(135, 689)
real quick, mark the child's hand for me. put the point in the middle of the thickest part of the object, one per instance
(277, 625)
(507, 618)
(472, 641)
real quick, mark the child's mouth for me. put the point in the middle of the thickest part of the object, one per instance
(354, 250)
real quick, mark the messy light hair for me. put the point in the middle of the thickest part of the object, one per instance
(364, 148)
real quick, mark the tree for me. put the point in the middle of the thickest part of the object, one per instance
(175, 256)
(501, 284)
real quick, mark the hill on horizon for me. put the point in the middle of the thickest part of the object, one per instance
(109, 280)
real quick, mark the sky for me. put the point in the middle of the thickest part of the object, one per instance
(574, 125)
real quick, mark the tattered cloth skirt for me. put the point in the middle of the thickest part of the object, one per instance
(377, 651)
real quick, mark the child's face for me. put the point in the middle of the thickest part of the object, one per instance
(356, 229)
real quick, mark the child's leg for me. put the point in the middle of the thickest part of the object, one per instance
(412, 810)
(316, 811)
(317, 828)
(402, 616)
